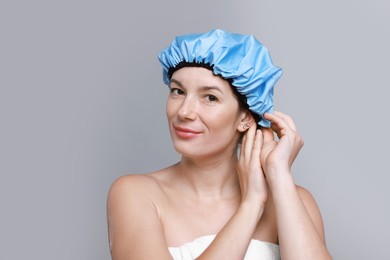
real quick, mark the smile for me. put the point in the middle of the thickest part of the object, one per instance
(185, 132)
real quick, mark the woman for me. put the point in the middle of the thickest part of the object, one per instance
(219, 201)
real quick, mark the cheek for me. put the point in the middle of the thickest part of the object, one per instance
(224, 120)
(169, 108)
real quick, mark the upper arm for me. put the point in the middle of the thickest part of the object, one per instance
(135, 230)
(313, 210)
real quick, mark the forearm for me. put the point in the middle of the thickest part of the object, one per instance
(233, 240)
(298, 235)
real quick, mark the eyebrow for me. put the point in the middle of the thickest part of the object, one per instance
(176, 82)
(212, 88)
(203, 87)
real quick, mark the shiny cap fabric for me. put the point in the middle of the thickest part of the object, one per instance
(242, 59)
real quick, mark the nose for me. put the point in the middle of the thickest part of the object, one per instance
(188, 109)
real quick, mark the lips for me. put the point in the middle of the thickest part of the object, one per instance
(184, 132)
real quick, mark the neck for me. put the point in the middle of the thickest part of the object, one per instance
(211, 178)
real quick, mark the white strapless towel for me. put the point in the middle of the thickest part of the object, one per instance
(257, 250)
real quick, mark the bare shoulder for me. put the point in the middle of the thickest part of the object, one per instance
(307, 198)
(133, 214)
(304, 193)
(134, 184)
(312, 208)
(138, 190)
(145, 183)
(129, 192)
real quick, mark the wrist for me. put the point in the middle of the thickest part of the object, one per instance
(275, 167)
(279, 177)
(254, 207)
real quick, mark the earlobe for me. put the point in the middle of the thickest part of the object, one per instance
(246, 121)
(246, 126)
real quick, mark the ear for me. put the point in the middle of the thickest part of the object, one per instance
(246, 120)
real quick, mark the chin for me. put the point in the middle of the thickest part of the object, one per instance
(189, 150)
(201, 151)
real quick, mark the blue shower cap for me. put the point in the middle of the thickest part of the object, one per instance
(241, 59)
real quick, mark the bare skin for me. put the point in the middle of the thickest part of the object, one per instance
(211, 191)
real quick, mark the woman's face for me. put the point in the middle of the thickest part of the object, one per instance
(203, 113)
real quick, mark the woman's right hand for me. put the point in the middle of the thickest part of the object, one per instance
(250, 174)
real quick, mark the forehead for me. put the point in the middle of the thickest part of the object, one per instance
(199, 76)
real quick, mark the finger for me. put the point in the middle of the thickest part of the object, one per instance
(287, 119)
(257, 145)
(279, 124)
(242, 148)
(268, 135)
(250, 135)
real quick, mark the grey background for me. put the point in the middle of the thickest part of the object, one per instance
(82, 103)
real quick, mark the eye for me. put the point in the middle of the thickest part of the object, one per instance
(211, 98)
(176, 91)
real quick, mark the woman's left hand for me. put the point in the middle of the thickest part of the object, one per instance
(280, 154)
